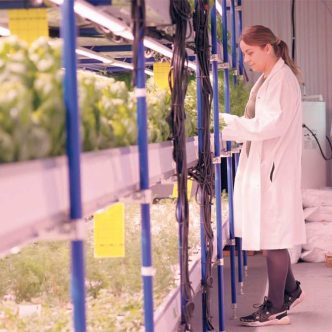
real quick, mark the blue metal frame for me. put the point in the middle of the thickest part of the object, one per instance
(229, 162)
(110, 48)
(68, 32)
(144, 185)
(234, 67)
(19, 4)
(233, 39)
(220, 259)
(239, 240)
(28, 4)
(239, 3)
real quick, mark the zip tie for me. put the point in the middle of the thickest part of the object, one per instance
(220, 262)
(140, 92)
(78, 229)
(216, 160)
(143, 196)
(231, 242)
(148, 271)
(226, 154)
(74, 230)
(238, 8)
(224, 65)
(214, 57)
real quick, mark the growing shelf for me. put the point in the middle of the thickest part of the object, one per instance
(34, 194)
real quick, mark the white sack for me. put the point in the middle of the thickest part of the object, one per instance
(317, 197)
(320, 213)
(319, 241)
(295, 253)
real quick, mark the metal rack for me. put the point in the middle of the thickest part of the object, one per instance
(41, 188)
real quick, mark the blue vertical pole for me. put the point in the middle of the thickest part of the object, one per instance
(239, 240)
(229, 160)
(234, 68)
(147, 269)
(220, 258)
(239, 3)
(233, 39)
(202, 235)
(68, 32)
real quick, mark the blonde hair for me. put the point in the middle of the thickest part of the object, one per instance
(259, 35)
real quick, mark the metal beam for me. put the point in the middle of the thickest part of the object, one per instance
(20, 4)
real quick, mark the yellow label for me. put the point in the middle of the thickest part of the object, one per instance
(109, 232)
(160, 74)
(189, 189)
(28, 24)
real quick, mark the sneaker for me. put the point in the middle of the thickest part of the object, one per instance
(266, 315)
(294, 298)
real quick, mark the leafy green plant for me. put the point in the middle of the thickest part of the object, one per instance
(40, 274)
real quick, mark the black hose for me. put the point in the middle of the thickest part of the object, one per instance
(203, 172)
(316, 139)
(178, 81)
(293, 30)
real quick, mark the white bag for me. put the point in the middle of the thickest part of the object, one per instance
(320, 213)
(319, 241)
(295, 253)
(317, 197)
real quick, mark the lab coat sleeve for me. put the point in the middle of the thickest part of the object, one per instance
(275, 116)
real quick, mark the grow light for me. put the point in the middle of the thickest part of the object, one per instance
(219, 8)
(4, 32)
(114, 63)
(119, 28)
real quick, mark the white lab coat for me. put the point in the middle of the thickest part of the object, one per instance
(268, 210)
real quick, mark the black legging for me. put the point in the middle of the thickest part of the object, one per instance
(280, 276)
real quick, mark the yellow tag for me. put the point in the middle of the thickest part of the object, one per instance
(28, 24)
(160, 74)
(189, 189)
(109, 232)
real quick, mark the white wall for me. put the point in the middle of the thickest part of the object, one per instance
(313, 41)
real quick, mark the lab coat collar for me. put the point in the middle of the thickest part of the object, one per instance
(277, 66)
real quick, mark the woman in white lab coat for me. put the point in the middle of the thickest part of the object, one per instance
(268, 211)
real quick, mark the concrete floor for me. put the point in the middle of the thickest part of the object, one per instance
(312, 315)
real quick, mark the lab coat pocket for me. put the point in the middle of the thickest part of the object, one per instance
(272, 172)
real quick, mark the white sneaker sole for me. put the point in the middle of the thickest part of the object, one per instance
(298, 301)
(283, 321)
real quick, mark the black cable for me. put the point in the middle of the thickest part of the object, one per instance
(320, 148)
(178, 80)
(293, 30)
(203, 172)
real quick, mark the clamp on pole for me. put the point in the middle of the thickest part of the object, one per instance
(216, 160)
(74, 230)
(141, 197)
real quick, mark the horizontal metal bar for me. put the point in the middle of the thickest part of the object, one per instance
(20, 4)
(110, 48)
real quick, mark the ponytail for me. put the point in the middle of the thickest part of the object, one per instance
(260, 35)
(281, 51)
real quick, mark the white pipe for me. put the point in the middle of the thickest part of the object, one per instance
(90, 12)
